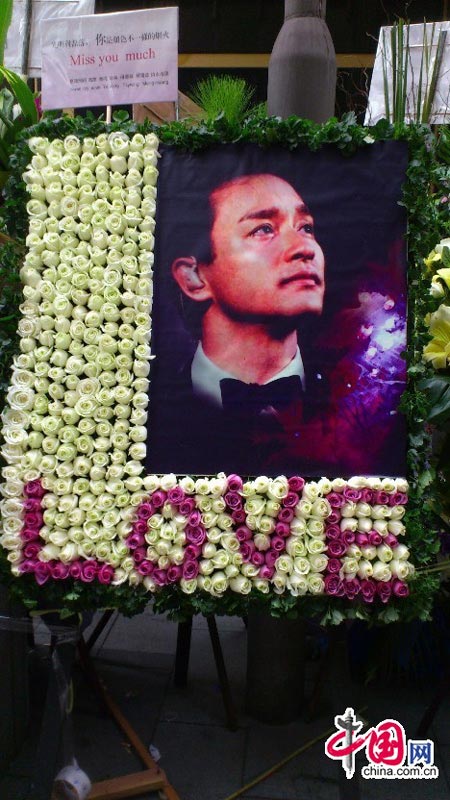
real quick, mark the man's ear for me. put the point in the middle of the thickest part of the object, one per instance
(186, 272)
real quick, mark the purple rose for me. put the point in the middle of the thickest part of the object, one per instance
(60, 571)
(333, 586)
(135, 540)
(29, 534)
(233, 500)
(238, 516)
(334, 565)
(140, 527)
(195, 534)
(89, 571)
(291, 500)
(334, 517)
(174, 573)
(32, 504)
(333, 532)
(146, 567)
(160, 577)
(398, 499)
(381, 498)
(285, 515)
(190, 569)
(234, 483)
(367, 495)
(361, 539)
(192, 552)
(105, 574)
(29, 565)
(348, 537)
(336, 548)
(34, 489)
(243, 534)
(42, 571)
(296, 483)
(351, 588)
(187, 506)
(282, 529)
(278, 544)
(31, 550)
(390, 540)
(368, 590)
(352, 494)
(257, 559)
(75, 570)
(400, 588)
(145, 510)
(139, 555)
(33, 519)
(266, 572)
(195, 518)
(270, 556)
(176, 495)
(158, 498)
(384, 590)
(247, 549)
(335, 499)
(375, 538)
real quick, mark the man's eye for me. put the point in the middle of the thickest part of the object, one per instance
(307, 227)
(262, 230)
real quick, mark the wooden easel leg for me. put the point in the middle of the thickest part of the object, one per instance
(99, 628)
(222, 674)
(182, 654)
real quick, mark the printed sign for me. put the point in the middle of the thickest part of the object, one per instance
(108, 59)
(41, 9)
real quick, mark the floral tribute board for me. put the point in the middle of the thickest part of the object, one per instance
(84, 522)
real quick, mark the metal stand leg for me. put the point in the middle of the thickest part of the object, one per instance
(182, 654)
(222, 674)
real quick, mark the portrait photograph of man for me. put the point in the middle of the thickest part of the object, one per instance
(279, 312)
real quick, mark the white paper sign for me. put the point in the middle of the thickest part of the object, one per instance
(41, 9)
(441, 105)
(110, 59)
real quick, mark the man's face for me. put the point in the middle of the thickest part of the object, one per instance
(267, 263)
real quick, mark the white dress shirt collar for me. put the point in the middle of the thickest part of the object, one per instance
(206, 376)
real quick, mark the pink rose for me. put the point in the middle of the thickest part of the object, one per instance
(31, 550)
(145, 510)
(334, 565)
(89, 571)
(361, 539)
(367, 495)
(296, 483)
(29, 565)
(32, 504)
(60, 571)
(282, 529)
(390, 540)
(247, 549)
(384, 590)
(234, 483)
(238, 516)
(333, 586)
(192, 552)
(270, 556)
(33, 519)
(42, 571)
(266, 572)
(29, 534)
(195, 518)
(145, 567)
(333, 532)
(190, 569)
(257, 558)
(176, 495)
(334, 517)
(336, 548)
(335, 499)
(375, 538)
(351, 588)
(398, 499)
(195, 535)
(135, 540)
(368, 590)
(105, 574)
(75, 570)
(348, 537)
(160, 577)
(34, 489)
(352, 494)
(139, 555)
(233, 500)
(278, 544)
(187, 506)
(291, 500)
(174, 573)
(158, 498)
(140, 527)
(285, 515)
(400, 588)
(381, 498)
(243, 534)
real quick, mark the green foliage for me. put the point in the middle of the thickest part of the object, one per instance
(6, 8)
(223, 94)
(428, 220)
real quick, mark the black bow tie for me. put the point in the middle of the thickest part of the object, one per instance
(252, 398)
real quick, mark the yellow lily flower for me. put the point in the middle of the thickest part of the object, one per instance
(438, 350)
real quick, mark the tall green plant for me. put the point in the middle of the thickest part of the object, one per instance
(6, 7)
(223, 94)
